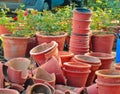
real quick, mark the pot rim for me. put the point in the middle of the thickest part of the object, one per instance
(88, 11)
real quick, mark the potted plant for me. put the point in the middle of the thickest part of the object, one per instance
(21, 33)
(55, 25)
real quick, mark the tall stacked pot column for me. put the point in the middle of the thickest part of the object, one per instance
(79, 41)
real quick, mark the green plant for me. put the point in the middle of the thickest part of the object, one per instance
(56, 22)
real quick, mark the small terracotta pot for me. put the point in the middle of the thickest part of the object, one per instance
(53, 66)
(107, 88)
(106, 59)
(65, 56)
(4, 30)
(17, 70)
(108, 76)
(77, 67)
(82, 14)
(40, 88)
(81, 24)
(41, 76)
(76, 78)
(59, 39)
(8, 91)
(93, 61)
(42, 52)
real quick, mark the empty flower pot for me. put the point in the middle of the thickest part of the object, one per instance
(42, 52)
(65, 56)
(78, 67)
(41, 76)
(106, 59)
(53, 66)
(82, 13)
(76, 78)
(93, 61)
(18, 70)
(40, 88)
(8, 91)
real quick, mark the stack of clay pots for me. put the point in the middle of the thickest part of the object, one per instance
(79, 41)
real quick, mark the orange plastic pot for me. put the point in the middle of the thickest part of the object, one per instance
(18, 70)
(77, 67)
(42, 76)
(65, 56)
(93, 61)
(59, 39)
(76, 78)
(106, 59)
(82, 13)
(8, 91)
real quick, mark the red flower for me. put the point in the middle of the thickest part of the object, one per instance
(25, 13)
(15, 18)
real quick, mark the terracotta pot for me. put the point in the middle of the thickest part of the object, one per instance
(17, 70)
(108, 76)
(77, 67)
(93, 61)
(4, 30)
(59, 39)
(93, 89)
(80, 31)
(53, 66)
(65, 56)
(43, 52)
(8, 91)
(99, 40)
(40, 88)
(41, 76)
(107, 88)
(81, 24)
(82, 14)
(14, 46)
(106, 59)
(76, 78)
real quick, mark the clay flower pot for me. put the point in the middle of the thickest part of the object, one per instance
(59, 39)
(93, 61)
(40, 88)
(106, 59)
(53, 66)
(65, 56)
(14, 46)
(41, 76)
(18, 70)
(82, 14)
(76, 78)
(8, 91)
(74, 66)
(43, 52)
(108, 81)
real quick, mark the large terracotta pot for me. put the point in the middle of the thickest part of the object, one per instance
(8, 91)
(42, 52)
(42, 76)
(59, 39)
(18, 70)
(106, 40)
(106, 59)
(93, 61)
(40, 88)
(14, 46)
(4, 30)
(82, 14)
(108, 81)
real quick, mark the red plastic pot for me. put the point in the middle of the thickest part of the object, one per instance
(77, 67)
(106, 59)
(42, 76)
(18, 70)
(82, 14)
(93, 61)
(65, 56)
(76, 78)
(8, 91)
